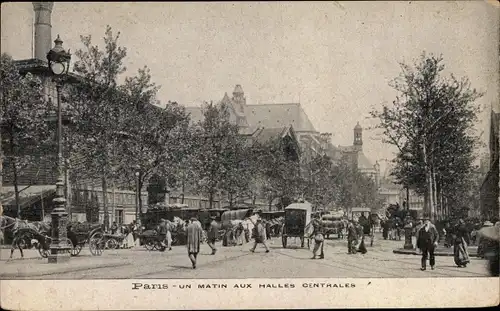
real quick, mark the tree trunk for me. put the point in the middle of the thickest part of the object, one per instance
(183, 188)
(1, 170)
(16, 188)
(210, 199)
(139, 193)
(428, 179)
(105, 201)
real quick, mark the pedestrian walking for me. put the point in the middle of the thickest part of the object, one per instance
(361, 239)
(319, 239)
(194, 236)
(213, 231)
(427, 238)
(352, 238)
(460, 253)
(259, 235)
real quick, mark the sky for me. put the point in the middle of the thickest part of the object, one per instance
(336, 58)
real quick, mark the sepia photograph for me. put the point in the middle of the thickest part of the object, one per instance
(154, 142)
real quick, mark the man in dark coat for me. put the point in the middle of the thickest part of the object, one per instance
(427, 238)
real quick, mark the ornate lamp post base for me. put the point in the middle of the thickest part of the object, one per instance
(59, 248)
(408, 234)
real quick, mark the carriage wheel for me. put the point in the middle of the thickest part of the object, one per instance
(111, 244)
(75, 251)
(150, 245)
(160, 247)
(44, 248)
(97, 244)
(283, 240)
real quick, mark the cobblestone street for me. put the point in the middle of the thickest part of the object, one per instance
(239, 262)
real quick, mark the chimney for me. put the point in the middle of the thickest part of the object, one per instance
(43, 29)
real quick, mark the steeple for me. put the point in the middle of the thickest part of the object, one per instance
(358, 137)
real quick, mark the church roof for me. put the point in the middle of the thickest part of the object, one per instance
(264, 135)
(279, 116)
(358, 127)
(364, 162)
(347, 148)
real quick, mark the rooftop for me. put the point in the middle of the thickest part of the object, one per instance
(278, 116)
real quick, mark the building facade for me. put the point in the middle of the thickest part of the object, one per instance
(38, 179)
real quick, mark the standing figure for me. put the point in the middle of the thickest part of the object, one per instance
(259, 235)
(162, 231)
(460, 253)
(114, 228)
(194, 236)
(268, 230)
(319, 239)
(361, 239)
(239, 232)
(427, 238)
(213, 231)
(352, 237)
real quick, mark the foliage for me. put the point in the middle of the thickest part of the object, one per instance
(217, 151)
(280, 172)
(430, 122)
(26, 136)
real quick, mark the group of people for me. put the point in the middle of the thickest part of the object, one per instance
(357, 230)
(428, 238)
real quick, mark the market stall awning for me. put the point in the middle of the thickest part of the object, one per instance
(28, 196)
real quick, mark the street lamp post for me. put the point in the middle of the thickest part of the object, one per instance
(59, 61)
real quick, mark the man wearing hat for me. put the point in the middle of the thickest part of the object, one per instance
(213, 231)
(427, 240)
(492, 252)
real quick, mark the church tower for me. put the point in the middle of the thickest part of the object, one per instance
(43, 29)
(239, 99)
(358, 137)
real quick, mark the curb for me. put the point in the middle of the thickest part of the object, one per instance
(19, 274)
(414, 252)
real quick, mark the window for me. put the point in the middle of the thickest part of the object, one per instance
(119, 216)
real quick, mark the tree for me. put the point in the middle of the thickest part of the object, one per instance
(24, 114)
(96, 102)
(280, 171)
(217, 150)
(431, 122)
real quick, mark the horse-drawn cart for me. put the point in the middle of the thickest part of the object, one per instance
(152, 240)
(297, 219)
(333, 224)
(86, 233)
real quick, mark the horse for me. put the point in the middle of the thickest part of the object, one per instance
(21, 229)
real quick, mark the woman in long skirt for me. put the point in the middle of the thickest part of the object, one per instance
(461, 255)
